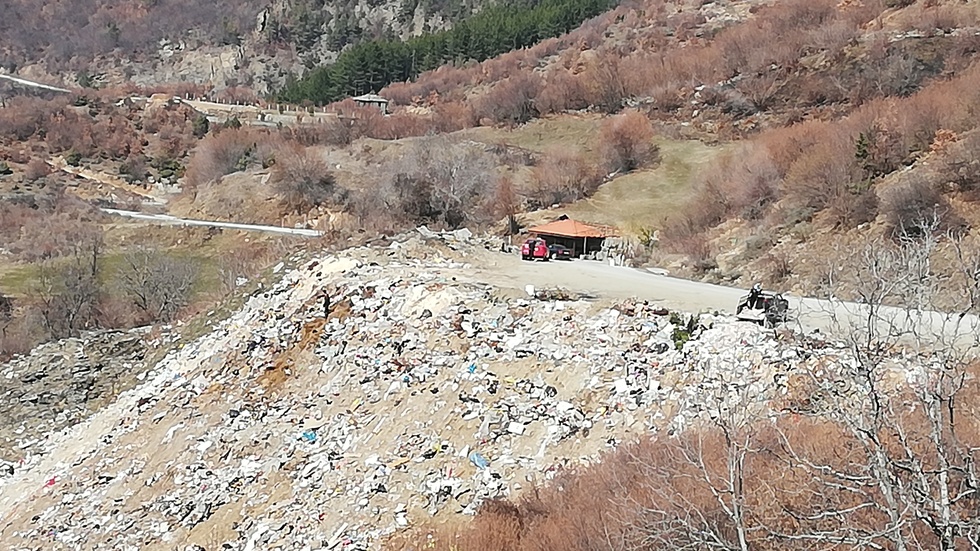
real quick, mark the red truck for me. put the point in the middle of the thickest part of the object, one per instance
(534, 248)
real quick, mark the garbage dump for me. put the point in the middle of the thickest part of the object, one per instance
(416, 395)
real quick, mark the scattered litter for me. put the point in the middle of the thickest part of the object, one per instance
(363, 423)
(478, 460)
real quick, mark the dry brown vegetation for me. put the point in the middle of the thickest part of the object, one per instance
(834, 98)
(54, 237)
(220, 154)
(786, 59)
(69, 290)
(303, 180)
(87, 280)
(95, 130)
(626, 142)
(562, 176)
(437, 181)
(759, 487)
(872, 446)
(894, 473)
(67, 34)
(842, 172)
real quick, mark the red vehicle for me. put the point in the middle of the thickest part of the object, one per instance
(534, 248)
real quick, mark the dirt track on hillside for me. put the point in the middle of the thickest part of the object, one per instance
(602, 281)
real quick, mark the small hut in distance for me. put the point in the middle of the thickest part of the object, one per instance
(580, 238)
(372, 100)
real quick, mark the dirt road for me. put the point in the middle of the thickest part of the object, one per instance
(32, 84)
(616, 282)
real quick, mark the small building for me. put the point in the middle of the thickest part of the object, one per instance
(372, 100)
(580, 238)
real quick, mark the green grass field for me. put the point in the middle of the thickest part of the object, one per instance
(646, 198)
(635, 202)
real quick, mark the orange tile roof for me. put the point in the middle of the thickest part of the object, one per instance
(569, 228)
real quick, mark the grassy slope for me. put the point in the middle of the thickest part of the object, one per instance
(631, 202)
(540, 135)
(16, 278)
(644, 199)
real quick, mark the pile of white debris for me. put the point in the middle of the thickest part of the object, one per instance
(307, 422)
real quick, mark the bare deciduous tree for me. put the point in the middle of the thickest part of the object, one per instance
(158, 284)
(562, 175)
(227, 152)
(901, 400)
(6, 313)
(507, 203)
(68, 289)
(437, 181)
(697, 492)
(66, 293)
(57, 235)
(511, 100)
(606, 84)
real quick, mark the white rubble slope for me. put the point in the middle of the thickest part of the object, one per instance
(420, 395)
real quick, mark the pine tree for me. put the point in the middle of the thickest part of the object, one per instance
(369, 66)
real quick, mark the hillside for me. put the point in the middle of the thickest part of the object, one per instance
(717, 156)
(392, 375)
(252, 44)
(855, 126)
(428, 389)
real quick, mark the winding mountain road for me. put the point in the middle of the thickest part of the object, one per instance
(169, 220)
(32, 84)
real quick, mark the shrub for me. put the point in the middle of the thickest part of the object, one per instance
(157, 283)
(23, 116)
(828, 177)
(201, 126)
(626, 142)
(303, 180)
(69, 131)
(67, 293)
(855, 206)
(452, 116)
(561, 92)
(54, 235)
(73, 158)
(605, 84)
(960, 165)
(21, 333)
(338, 131)
(914, 207)
(36, 169)
(134, 168)
(510, 101)
(562, 176)
(436, 181)
(218, 155)
(167, 167)
(745, 181)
